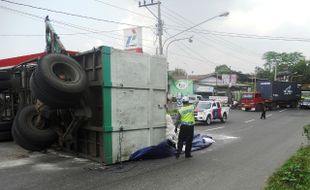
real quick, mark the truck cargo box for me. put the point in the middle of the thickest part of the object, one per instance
(279, 91)
(127, 96)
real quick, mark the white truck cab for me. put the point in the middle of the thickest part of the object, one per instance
(208, 111)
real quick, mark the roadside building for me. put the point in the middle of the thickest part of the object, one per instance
(230, 85)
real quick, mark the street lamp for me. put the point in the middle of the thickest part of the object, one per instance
(291, 76)
(190, 40)
(220, 15)
(295, 76)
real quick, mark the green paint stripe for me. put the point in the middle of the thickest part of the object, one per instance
(107, 107)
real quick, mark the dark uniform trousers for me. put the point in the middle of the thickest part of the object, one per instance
(186, 134)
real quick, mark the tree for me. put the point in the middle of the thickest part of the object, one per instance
(284, 62)
(262, 73)
(270, 57)
(176, 72)
(301, 72)
(222, 69)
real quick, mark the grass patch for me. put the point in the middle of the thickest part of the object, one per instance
(294, 174)
(307, 131)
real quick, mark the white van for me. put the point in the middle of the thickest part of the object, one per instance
(193, 99)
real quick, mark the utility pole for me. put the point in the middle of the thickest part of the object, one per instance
(160, 30)
(159, 22)
(275, 71)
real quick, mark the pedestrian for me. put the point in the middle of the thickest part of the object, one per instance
(186, 120)
(263, 115)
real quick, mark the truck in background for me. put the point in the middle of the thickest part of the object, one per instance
(273, 94)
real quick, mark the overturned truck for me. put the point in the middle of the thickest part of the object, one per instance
(102, 104)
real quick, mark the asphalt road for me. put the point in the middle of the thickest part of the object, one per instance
(247, 150)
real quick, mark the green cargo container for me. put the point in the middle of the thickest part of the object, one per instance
(126, 96)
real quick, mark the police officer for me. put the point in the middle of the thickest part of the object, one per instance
(186, 120)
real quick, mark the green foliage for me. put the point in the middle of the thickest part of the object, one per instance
(284, 61)
(222, 69)
(263, 74)
(307, 131)
(177, 72)
(302, 70)
(294, 174)
(294, 64)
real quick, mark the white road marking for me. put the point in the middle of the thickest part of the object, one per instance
(248, 121)
(15, 163)
(223, 137)
(282, 110)
(214, 129)
(47, 166)
(269, 115)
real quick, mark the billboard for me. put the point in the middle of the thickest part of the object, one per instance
(179, 88)
(133, 39)
(230, 79)
(205, 89)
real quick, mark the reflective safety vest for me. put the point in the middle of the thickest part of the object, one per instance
(187, 115)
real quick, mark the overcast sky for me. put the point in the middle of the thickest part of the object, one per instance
(235, 40)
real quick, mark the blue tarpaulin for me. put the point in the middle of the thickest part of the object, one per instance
(166, 149)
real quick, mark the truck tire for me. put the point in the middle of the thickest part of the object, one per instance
(294, 104)
(2, 106)
(5, 136)
(5, 75)
(47, 98)
(224, 118)
(5, 84)
(62, 77)
(37, 137)
(26, 144)
(5, 126)
(208, 120)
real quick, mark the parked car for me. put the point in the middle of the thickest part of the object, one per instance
(209, 111)
(305, 103)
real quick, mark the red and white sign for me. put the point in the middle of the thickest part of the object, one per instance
(133, 39)
(230, 79)
(222, 99)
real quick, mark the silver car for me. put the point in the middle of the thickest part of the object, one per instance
(305, 103)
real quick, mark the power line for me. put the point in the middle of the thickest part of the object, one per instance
(90, 31)
(64, 34)
(196, 54)
(124, 9)
(226, 41)
(202, 58)
(72, 14)
(159, 22)
(251, 36)
(244, 36)
(217, 49)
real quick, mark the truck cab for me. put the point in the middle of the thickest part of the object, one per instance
(251, 101)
